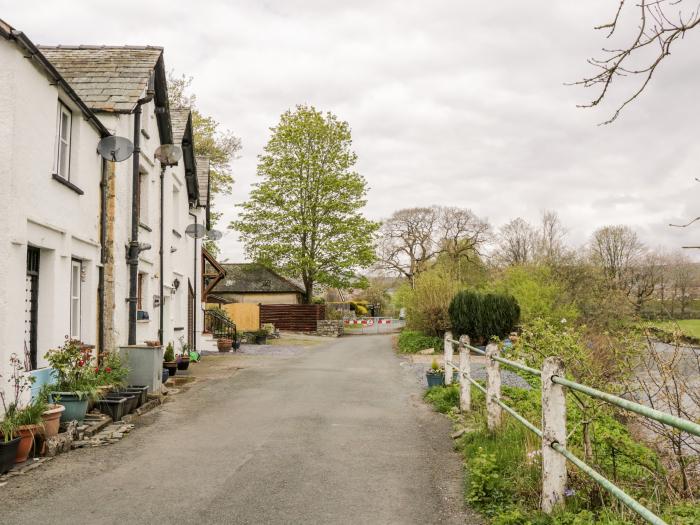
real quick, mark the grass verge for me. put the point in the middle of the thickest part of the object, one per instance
(503, 470)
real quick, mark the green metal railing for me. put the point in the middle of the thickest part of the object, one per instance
(614, 490)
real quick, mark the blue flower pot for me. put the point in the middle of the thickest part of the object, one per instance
(435, 379)
(76, 405)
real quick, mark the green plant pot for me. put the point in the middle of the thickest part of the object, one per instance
(435, 379)
(76, 407)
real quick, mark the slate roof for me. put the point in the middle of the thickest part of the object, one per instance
(203, 180)
(107, 78)
(178, 119)
(253, 278)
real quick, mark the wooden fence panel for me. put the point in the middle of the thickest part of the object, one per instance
(245, 315)
(292, 317)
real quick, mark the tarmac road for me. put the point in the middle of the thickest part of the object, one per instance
(336, 434)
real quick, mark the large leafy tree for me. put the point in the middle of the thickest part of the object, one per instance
(219, 146)
(304, 217)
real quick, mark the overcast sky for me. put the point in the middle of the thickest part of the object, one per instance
(450, 102)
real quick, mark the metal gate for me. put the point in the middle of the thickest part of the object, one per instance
(31, 303)
(372, 325)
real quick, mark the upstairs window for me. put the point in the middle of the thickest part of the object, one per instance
(142, 197)
(63, 133)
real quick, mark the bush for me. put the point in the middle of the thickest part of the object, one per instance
(411, 341)
(428, 303)
(483, 316)
(538, 293)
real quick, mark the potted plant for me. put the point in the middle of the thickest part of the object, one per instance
(112, 373)
(76, 380)
(260, 337)
(22, 420)
(435, 375)
(183, 358)
(224, 344)
(169, 359)
(9, 443)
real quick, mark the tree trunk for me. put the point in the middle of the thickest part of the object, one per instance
(308, 290)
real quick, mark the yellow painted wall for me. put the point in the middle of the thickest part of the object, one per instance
(246, 316)
(265, 298)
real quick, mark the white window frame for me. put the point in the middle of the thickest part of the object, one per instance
(62, 141)
(76, 299)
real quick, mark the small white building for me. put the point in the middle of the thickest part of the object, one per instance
(50, 231)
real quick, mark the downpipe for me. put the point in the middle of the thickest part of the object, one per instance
(134, 249)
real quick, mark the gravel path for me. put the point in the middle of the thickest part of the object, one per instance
(478, 371)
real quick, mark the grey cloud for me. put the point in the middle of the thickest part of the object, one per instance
(450, 102)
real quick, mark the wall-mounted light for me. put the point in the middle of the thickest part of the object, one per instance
(176, 284)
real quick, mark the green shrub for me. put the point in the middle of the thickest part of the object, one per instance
(483, 316)
(427, 304)
(412, 341)
(169, 354)
(538, 292)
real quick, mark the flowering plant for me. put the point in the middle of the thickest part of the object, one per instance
(112, 371)
(74, 366)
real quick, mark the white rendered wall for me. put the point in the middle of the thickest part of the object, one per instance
(40, 211)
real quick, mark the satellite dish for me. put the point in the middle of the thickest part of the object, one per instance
(115, 148)
(214, 235)
(168, 154)
(196, 231)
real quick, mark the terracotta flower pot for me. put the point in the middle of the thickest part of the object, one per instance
(52, 420)
(224, 345)
(26, 434)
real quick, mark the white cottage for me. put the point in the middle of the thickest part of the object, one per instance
(66, 245)
(118, 83)
(50, 232)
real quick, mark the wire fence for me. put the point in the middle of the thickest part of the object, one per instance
(553, 433)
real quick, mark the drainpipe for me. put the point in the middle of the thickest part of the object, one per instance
(103, 261)
(194, 306)
(160, 254)
(134, 250)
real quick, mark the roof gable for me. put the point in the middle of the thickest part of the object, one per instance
(254, 278)
(181, 119)
(39, 59)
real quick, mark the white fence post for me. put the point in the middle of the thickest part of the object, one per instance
(465, 392)
(553, 431)
(493, 388)
(449, 350)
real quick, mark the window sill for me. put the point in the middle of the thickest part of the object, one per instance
(142, 321)
(68, 184)
(145, 227)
